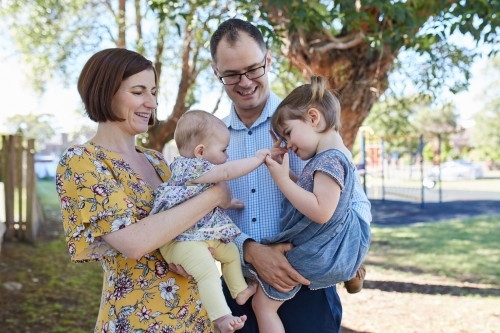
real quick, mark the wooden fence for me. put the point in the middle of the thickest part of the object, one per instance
(23, 213)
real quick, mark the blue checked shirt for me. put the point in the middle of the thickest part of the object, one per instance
(262, 198)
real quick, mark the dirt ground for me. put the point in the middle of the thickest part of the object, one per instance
(389, 303)
(418, 304)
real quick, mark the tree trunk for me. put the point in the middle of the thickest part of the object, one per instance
(356, 76)
(121, 42)
(163, 131)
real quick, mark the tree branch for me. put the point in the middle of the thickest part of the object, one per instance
(121, 24)
(160, 46)
(138, 19)
(110, 7)
(342, 43)
(216, 107)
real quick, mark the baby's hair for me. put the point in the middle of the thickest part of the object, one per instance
(301, 99)
(194, 127)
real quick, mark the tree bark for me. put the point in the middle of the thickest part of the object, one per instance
(356, 76)
(121, 42)
(163, 131)
(357, 73)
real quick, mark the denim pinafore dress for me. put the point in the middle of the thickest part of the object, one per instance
(329, 253)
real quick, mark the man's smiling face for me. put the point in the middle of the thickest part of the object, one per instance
(249, 96)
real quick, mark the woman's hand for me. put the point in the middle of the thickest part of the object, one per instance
(277, 151)
(236, 204)
(223, 193)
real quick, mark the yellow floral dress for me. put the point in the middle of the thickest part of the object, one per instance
(100, 193)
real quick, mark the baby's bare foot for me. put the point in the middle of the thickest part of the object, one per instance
(230, 323)
(243, 296)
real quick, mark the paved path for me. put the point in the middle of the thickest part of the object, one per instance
(399, 213)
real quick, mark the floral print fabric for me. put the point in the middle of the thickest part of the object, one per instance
(216, 225)
(99, 194)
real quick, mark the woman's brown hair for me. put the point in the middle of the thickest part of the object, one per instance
(301, 99)
(102, 76)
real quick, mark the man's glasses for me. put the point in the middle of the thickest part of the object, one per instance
(252, 74)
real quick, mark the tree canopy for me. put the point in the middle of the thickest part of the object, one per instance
(31, 126)
(357, 44)
(486, 133)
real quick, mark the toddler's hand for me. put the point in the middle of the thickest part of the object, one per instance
(279, 172)
(262, 153)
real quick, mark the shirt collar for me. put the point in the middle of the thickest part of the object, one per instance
(233, 121)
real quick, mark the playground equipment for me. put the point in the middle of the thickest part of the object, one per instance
(394, 167)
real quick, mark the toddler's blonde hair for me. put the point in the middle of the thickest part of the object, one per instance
(301, 99)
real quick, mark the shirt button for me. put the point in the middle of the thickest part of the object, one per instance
(254, 219)
(253, 190)
(250, 132)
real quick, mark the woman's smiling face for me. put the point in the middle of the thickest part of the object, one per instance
(135, 102)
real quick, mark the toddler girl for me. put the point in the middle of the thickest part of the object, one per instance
(202, 140)
(329, 240)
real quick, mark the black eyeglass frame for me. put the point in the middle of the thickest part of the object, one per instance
(240, 74)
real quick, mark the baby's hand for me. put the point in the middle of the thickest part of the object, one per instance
(262, 153)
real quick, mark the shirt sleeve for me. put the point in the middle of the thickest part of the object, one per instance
(197, 167)
(239, 241)
(333, 166)
(93, 203)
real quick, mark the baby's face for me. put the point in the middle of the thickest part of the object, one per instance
(216, 149)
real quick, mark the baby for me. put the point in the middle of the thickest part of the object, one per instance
(202, 140)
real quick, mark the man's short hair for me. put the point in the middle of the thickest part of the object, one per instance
(230, 31)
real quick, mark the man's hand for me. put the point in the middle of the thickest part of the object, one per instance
(277, 151)
(272, 265)
(261, 154)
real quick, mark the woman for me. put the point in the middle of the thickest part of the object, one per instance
(106, 190)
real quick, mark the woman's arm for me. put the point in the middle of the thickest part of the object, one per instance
(318, 205)
(153, 231)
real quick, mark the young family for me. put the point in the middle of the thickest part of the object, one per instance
(297, 226)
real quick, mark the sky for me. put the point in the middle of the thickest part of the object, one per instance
(17, 97)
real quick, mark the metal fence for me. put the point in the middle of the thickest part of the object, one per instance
(394, 168)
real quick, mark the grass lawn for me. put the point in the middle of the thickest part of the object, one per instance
(59, 296)
(464, 250)
(47, 194)
(56, 296)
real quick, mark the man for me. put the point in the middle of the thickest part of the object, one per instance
(241, 62)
